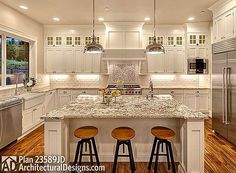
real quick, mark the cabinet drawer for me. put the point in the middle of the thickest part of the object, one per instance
(85, 91)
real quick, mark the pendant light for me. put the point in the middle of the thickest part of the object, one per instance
(93, 47)
(155, 48)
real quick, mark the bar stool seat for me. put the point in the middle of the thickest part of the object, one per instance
(162, 135)
(86, 135)
(86, 132)
(123, 135)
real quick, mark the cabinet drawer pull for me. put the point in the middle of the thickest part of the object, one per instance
(34, 109)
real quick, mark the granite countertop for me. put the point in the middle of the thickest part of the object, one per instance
(90, 106)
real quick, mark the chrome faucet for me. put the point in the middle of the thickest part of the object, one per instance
(150, 90)
(17, 82)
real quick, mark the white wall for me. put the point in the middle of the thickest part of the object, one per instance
(14, 20)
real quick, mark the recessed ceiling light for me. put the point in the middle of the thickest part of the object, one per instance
(24, 7)
(147, 18)
(191, 18)
(101, 19)
(56, 19)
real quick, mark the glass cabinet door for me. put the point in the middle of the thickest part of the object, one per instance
(77, 41)
(192, 39)
(150, 40)
(160, 40)
(202, 39)
(50, 41)
(179, 41)
(58, 41)
(170, 41)
(69, 40)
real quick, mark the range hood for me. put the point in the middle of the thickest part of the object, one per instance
(124, 54)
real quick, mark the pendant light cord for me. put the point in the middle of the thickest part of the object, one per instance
(154, 22)
(93, 39)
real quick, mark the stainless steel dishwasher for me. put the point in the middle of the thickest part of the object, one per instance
(10, 120)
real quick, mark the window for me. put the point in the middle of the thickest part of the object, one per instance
(17, 60)
(0, 60)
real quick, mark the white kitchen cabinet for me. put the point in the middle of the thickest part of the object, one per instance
(203, 101)
(54, 41)
(69, 61)
(79, 60)
(50, 101)
(197, 51)
(197, 100)
(197, 39)
(64, 97)
(96, 66)
(171, 62)
(27, 120)
(123, 39)
(190, 99)
(54, 60)
(37, 113)
(224, 26)
(31, 117)
(156, 63)
(175, 93)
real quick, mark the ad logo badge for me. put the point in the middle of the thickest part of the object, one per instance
(8, 163)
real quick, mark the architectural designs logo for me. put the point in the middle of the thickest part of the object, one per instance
(8, 163)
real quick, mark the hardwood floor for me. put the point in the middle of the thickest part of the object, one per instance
(220, 155)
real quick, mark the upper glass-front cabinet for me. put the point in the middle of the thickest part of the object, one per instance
(159, 40)
(197, 39)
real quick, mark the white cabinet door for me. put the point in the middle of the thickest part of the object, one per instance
(27, 121)
(170, 61)
(229, 24)
(96, 67)
(79, 57)
(179, 61)
(192, 52)
(115, 39)
(37, 113)
(203, 101)
(50, 101)
(69, 59)
(156, 63)
(219, 28)
(132, 39)
(197, 51)
(88, 62)
(64, 99)
(190, 99)
(55, 61)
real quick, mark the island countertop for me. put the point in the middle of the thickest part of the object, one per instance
(90, 106)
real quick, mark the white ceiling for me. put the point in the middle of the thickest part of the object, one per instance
(80, 11)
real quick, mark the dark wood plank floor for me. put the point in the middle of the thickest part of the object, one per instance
(220, 155)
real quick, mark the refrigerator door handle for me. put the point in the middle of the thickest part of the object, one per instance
(228, 94)
(223, 97)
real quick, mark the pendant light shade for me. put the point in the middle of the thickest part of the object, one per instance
(93, 47)
(155, 48)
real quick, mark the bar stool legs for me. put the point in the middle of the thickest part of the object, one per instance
(79, 151)
(130, 155)
(169, 154)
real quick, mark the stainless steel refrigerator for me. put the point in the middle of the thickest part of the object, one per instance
(224, 89)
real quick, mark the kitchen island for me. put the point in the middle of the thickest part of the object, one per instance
(136, 112)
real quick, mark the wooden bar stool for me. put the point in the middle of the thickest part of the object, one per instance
(123, 135)
(162, 134)
(86, 135)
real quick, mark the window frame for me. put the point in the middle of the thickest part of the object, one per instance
(32, 54)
